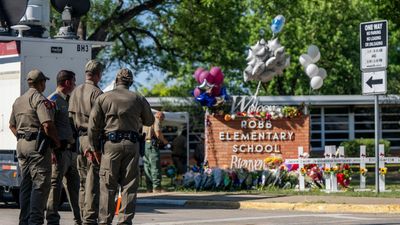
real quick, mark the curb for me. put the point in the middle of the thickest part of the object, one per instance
(176, 202)
(305, 207)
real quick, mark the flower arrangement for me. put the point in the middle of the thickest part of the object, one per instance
(334, 169)
(303, 171)
(327, 171)
(343, 175)
(269, 113)
(363, 171)
(273, 161)
(383, 171)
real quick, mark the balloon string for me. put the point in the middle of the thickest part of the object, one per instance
(258, 89)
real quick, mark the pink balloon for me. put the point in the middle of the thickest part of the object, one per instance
(206, 75)
(196, 92)
(197, 73)
(216, 91)
(216, 72)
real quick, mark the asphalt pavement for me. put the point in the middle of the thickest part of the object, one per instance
(306, 203)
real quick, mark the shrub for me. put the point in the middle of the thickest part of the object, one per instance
(352, 147)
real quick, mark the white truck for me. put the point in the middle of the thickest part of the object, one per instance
(17, 57)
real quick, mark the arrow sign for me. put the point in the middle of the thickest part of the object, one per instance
(371, 82)
(374, 82)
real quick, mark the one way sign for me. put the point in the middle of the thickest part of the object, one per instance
(374, 82)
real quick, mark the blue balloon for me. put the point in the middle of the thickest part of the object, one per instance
(206, 100)
(224, 93)
(277, 24)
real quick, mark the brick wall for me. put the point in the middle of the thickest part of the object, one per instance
(283, 138)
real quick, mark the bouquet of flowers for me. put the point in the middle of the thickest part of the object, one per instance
(273, 162)
(343, 175)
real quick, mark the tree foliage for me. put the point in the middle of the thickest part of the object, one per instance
(175, 37)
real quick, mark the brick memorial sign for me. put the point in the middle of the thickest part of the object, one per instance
(245, 142)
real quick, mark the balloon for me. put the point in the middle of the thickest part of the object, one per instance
(316, 58)
(277, 24)
(216, 72)
(216, 91)
(258, 68)
(313, 52)
(274, 44)
(305, 60)
(250, 55)
(312, 70)
(316, 82)
(197, 74)
(322, 73)
(271, 62)
(206, 75)
(205, 85)
(196, 92)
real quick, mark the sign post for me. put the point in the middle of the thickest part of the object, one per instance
(374, 60)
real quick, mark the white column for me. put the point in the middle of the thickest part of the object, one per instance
(381, 165)
(301, 165)
(328, 183)
(363, 155)
(333, 175)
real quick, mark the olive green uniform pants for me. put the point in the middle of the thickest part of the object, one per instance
(89, 185)
(35, 183)
(152, 167)
(65, 167)
(119, 166)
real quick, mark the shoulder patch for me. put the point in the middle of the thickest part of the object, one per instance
(49, 104)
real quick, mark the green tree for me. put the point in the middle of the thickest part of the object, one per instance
(176, 37)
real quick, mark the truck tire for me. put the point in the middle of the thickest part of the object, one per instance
(15, 194)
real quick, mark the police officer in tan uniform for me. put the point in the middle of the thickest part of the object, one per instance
(80, 105)
(31, 122)
(151, 160)
(118, 116)
(64, 164)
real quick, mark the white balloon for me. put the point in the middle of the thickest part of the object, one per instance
(250, 55)
(287, 62)
(322, 73)
(312, 70)
(274, 44)
(316, 58)
(279, 51)
(252, 62)
(271, 62)
(261, 52)
(258, 69)
(312, 51)
(316, 82)
(305, 60)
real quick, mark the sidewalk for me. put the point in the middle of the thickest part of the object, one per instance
(310, 203)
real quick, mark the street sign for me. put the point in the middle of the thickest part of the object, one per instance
(373, 45)
(374, 82)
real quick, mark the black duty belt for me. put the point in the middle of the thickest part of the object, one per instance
(29, 136)
(118, 136)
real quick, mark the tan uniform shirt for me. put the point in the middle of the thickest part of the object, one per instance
(30, 111)
(81, 102)
(118, 110)
(61, 118)
(151, 130)
(179, 146)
